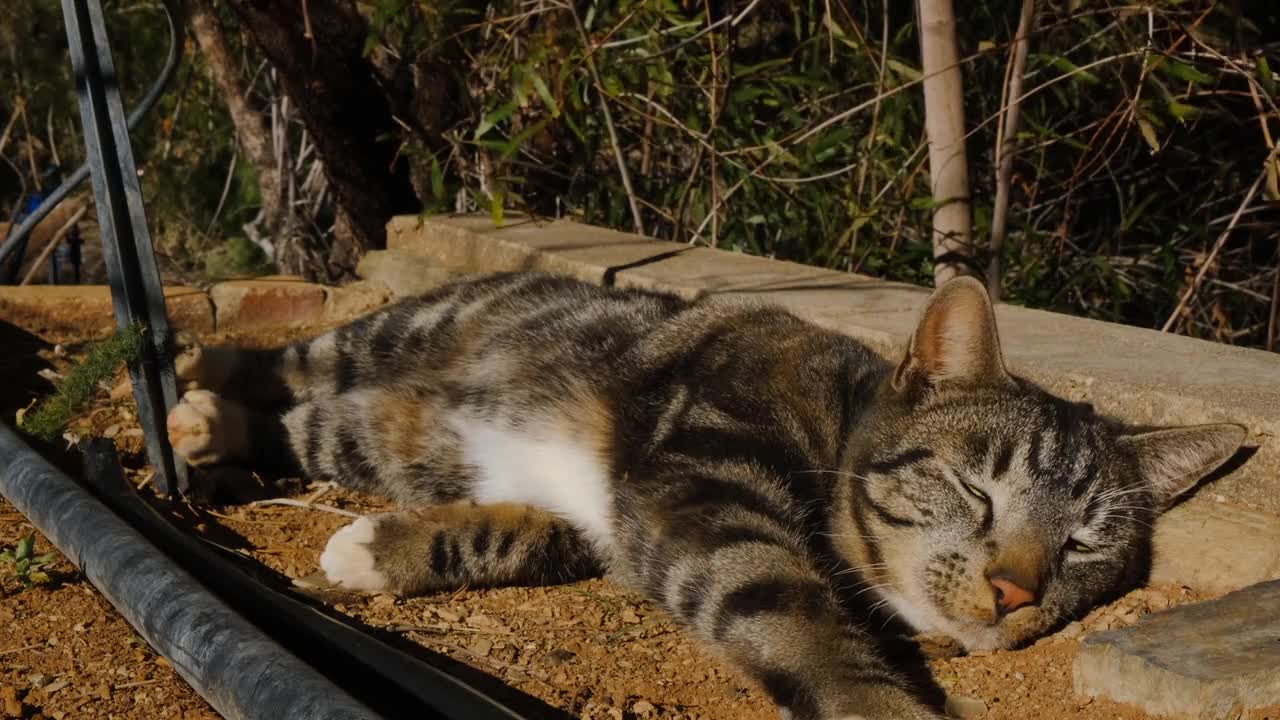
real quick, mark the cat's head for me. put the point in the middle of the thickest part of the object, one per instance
(989, 510)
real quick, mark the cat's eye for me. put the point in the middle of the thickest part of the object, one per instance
(1076, 546)
(974, 491)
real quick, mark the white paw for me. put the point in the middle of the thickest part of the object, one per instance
(206, 429)
(347, 560)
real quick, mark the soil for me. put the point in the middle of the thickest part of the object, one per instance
(591, 649)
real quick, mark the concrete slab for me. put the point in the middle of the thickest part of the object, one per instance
(1209, 660)
(1216, 547)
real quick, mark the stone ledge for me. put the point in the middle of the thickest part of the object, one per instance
(58, 313)
(61, 312)
(1141, 376)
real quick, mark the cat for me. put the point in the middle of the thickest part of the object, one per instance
(753, 474)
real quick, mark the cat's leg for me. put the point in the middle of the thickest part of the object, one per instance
(206, 429)
(725, 557)
(252, 377)
(460, 544)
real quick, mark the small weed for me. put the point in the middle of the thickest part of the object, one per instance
(50, 416)
(27, 567)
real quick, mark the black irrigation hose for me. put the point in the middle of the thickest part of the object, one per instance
(213, 638)
(177, 36)
(242, 672)
(394, 683)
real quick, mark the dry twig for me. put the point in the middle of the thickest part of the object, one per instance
(1006, 143)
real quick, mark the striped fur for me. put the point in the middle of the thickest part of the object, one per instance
(781, 490)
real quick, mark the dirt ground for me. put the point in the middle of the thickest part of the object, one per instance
(590, 648)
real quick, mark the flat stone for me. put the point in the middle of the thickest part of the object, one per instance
(278, 301)
(403, 273)
(57, 313)
(965, 708)
(1206, 659)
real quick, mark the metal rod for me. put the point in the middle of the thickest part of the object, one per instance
(136, 292)
(177, 36)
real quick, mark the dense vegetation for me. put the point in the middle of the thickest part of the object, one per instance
(792, 130)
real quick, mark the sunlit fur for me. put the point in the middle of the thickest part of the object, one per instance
(779, 489)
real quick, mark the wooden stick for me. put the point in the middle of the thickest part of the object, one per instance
(1006, 143)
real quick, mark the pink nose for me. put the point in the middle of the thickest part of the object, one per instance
(1009, 596)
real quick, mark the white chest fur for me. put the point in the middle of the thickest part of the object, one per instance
(540, 465)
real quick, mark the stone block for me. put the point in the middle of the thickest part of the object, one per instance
(270, 302)
(472, 244)
(1209, 660)
(59, 313)
(348, 302)
(404, 273)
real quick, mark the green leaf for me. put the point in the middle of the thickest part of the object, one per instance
(495, 207)
(45, 559)
(518, 141)
(25, 546)
(1068, 67)
(493, 118)
(1265, 77)
(903, 70)
(1184, 71)
(545, 93)
(1182, 111)
(437, 179)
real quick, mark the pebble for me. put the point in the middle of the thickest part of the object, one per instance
(1072, 629)
(965, 708)
(447, 615)
(9, 699)
(643, 707)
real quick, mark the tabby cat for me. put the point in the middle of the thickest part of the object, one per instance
(757, 476)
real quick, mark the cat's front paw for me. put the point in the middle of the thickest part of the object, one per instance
(206, 429)
(200, 367)
(348, 558)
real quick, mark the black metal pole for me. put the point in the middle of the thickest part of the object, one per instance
(177, 36)
(136, 291)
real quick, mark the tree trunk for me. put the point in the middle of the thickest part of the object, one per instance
(944, 124)
(252, 132)
(317, 48)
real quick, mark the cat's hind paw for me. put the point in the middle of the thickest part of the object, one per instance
(206, 429)
(348, 558)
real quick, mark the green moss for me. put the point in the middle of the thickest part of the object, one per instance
(50, 415)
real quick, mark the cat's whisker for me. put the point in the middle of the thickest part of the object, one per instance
(873, 587)
(861, 568)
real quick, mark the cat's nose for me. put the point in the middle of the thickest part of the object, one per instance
(1009, 595)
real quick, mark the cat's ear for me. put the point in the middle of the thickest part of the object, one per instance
(1175, 459)
(956, 341)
